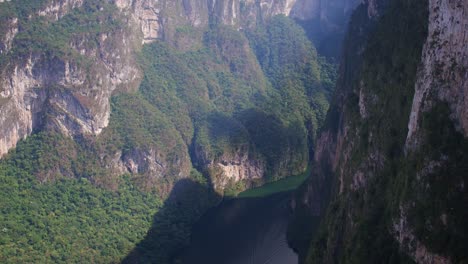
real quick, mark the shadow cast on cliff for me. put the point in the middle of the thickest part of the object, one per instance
(171, 229)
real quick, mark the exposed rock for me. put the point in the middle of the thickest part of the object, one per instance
(85, 108)
(357, 150)
(443, 74)
(409, 243)
(232, 166)
(375, 7)
(363, 101)
(159, 19)
(153, 163)
(237, 167)
(61, 94)
(323, 10)
(6, 38)
(325, 145)
(56, 9)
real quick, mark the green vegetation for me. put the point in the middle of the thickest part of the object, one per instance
(63, 200)
(172, 225)
(48, 217)
(219, 98)
(21, 8)
(228, 81)
(303, 81)
(287, 184)
(438, 213)
(40, 36)
(356, 226)
(68, 220)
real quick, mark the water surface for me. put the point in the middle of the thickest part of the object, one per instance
(243, 231)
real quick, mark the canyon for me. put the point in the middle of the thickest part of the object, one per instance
(123, 122)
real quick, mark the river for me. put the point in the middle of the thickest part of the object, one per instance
(243, 231)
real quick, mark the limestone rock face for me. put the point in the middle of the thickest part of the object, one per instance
(322, 9)
(56, 9)
(442, 79)
(443, 75)
(159, 19)
(236, 167)
(6, 38)
(79, 102)
(350, 154)
(152, 164)
(38, 91)
(66, 95)
(233, 166)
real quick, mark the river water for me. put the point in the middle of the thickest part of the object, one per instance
(243, 231)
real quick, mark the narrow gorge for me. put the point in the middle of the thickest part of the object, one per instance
(147, 131)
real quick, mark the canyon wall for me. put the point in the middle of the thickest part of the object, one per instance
(394, 146)
(61, 61)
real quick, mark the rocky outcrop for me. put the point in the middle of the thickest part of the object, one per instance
(405, 236)
(159, 19)
(6, 38)
(69, 92)
(231, 166)
(324, 10)
(236, 167)
(56, 9)
(443, 75)
(81, 105)
(153, 167)
(442, 80)
(415, 159)
(39, 91)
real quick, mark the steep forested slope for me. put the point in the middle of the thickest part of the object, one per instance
(393, 150)
(106, 126)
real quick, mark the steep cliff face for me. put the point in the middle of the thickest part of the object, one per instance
(10, 29)
(442, 76)
(66, 91)
(225, 88)
(440, 99)
(61, 95)
(325, 10)
(64, 83)
(394, 144)
(230, 168)
(161, 19)
(56, 9)
(58, 75)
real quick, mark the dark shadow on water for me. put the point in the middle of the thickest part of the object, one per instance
(249, 230)
(243, 231)
(171, 228)
(236, 231)
(311, 201)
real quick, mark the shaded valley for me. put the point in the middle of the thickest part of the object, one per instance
(168, 131)
(243, 231)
